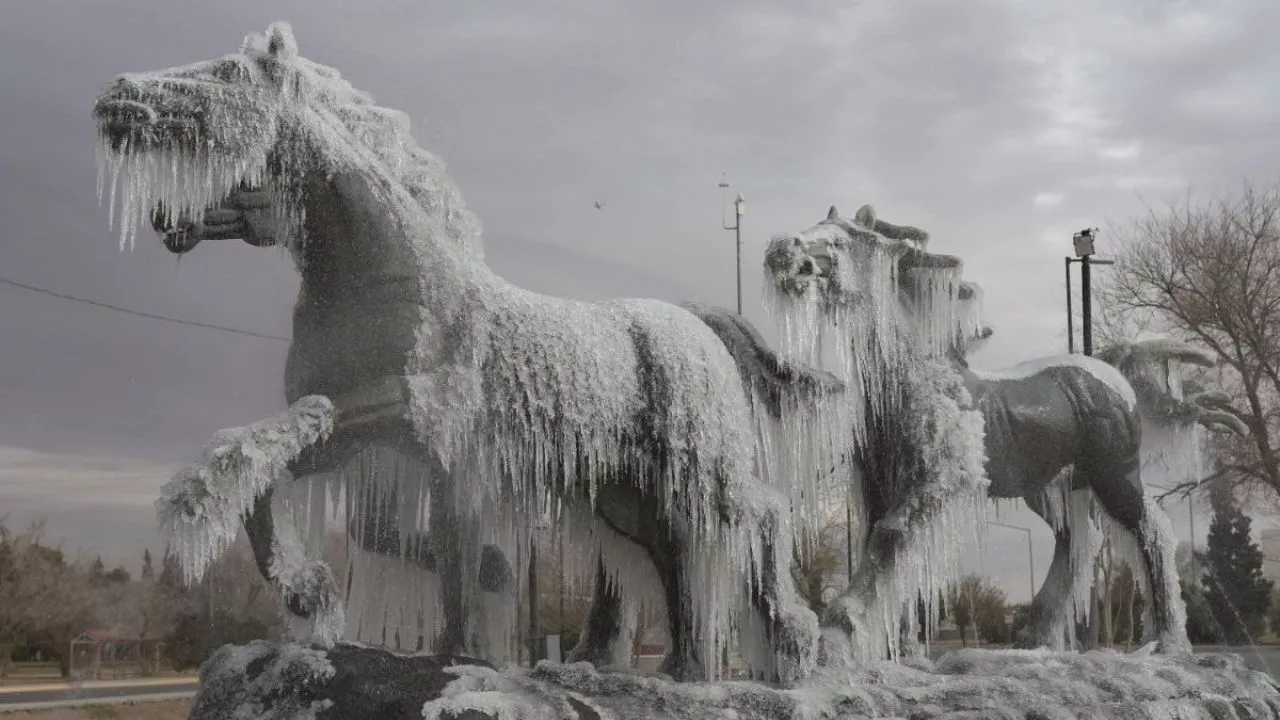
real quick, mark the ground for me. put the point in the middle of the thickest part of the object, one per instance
(166, 710)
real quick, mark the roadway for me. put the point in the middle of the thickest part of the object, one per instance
(1265, 658)
(46, 695)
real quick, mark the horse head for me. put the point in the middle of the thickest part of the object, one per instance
(846, 261)
(249, 145)
(201, 141)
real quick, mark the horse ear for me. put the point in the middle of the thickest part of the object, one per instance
(866, 217)
(833, 213)
(280, 41)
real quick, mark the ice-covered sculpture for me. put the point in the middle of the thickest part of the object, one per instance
(431, 392)
(1063, 433)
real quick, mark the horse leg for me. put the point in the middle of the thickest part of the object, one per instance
(455, 541)
(1051, 623)
(683, 661)
(447, 550)
(1125, 500)
(787, 651)
(604, 623)
(306, 586)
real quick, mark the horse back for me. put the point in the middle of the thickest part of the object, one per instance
(1055, 416)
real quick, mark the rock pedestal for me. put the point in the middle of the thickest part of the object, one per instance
(288, 681)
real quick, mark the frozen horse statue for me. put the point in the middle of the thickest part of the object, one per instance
(433, 390)
(1049, 427)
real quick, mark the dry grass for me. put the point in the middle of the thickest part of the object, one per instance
(165, 710)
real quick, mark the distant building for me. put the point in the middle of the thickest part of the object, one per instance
(1271, 554)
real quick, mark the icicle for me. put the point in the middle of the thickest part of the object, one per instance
(200, 508)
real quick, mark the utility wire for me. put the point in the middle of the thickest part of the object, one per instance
(138, 313)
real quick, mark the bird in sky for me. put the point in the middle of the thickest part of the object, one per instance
(599, 204)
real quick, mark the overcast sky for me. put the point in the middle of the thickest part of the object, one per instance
(1001, 126)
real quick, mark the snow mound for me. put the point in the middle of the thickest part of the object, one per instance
(273, 680)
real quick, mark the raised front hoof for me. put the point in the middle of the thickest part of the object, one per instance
(298, 606)
(310, 589)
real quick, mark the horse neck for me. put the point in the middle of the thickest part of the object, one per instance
(368, 242)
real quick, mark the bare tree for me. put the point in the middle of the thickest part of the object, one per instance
(976, 603)
(1209, 273)
(32, 581)
(821, 557)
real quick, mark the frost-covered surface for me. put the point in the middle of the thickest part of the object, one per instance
(307, 578)
(892, 310)
(1175, 412)
(846, 286)
(930, 463)
(201, 507)
(521, 404)
(1154, 367)
(1105, 373)
(264, 680)
(964, 684)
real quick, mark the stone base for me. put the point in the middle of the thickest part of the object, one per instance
(284, 680)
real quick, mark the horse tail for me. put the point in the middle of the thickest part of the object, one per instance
(763, 370)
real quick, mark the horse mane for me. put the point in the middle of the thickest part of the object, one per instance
(385, 132)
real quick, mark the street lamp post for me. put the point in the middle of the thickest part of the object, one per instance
(1031, 559)
(1083, 242)
(739, 209)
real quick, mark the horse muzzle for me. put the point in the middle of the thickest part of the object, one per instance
(129, 123)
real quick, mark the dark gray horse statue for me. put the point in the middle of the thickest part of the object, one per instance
(436, 397)
(1062, 433)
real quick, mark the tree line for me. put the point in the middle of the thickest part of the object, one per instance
(49, 597)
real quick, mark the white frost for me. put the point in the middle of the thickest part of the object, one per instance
(1104, 372)
(201, 507)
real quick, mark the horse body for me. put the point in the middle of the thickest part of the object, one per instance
(1059, 411)
(458, 397)
(1061, 433)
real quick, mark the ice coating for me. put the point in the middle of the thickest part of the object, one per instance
(842, 286)
(1104, 372)
(300, 668)
(1045, 423)
(201, 507)
(971, 683)
(518, 405)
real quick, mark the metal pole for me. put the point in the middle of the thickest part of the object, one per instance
(534, 628)
(1071, 331)
(1086, 306)
(848, 535)
(1031, 563)
(560, 610)
(1031, 558)
(1191, 519)
(737, 234)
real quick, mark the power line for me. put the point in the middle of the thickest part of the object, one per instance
(139, 313)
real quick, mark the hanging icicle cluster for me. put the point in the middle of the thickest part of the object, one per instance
(524, 408)
(890, 313)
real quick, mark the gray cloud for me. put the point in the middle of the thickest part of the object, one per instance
(952, 116)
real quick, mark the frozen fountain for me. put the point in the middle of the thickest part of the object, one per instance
(441, 415)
